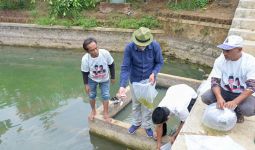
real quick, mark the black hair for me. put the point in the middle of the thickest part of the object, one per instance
(87, 42)
(164, 129)
(160, 115)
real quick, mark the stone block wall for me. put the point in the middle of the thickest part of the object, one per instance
(109, 38)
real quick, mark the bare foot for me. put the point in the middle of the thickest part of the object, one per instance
(92, 115)
(107, 119)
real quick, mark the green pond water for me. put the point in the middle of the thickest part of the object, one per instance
(42, 101)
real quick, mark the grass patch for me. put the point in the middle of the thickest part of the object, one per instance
(134, 23)
(83, 22)
(16, 4)
(86, 22)
(188, 4)
(116, 21)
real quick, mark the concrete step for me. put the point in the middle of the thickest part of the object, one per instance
(246, 4)
(246, 34)
(243, 23)
(249, 47)
(245, 13)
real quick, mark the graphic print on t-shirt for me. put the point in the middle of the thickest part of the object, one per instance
(99, 72)
(234, 85)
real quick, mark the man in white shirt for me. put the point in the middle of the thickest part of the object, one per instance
(97, 67)
(233, 79)
(178, 101)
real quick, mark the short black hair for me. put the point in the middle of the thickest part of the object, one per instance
(160, 115)
(87, 42)
(164, 129)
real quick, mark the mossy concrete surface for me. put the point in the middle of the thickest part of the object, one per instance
(112, 39)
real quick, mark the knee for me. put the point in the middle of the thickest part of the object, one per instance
(92, 95)
(247, 111)
(105, 96)
(205, 99)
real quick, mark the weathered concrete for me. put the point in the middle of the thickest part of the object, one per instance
(243, 24)
(198, 31)
(117, 130)
(243, 133)
(165, 80)
(113, 39)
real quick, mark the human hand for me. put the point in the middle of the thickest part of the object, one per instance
(87, 88)
(122, 93)
(172, 139)
(112, 81)
(220, 103)
(230, 104)
(152, 79)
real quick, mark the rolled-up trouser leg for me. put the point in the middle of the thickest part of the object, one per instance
(208, 97)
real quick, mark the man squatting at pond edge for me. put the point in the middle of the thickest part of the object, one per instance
(233, 79)
(178, 101)
(95, 67)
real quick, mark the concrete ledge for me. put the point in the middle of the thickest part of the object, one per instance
(166, 80)
(243, 134)
(117, 130)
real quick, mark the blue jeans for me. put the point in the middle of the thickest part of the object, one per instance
(104, 86)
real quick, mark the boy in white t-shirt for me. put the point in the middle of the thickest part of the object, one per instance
(96, 65)
(233, 79)
(178, 101)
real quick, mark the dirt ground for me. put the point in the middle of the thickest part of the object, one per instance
(152, 7)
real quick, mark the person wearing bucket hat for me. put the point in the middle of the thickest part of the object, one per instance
(233, 79)
(142, 62)
(142, 37)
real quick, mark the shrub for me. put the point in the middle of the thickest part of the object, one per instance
(188, 4)
(69, 8)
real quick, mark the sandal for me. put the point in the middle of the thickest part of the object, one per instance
(240, 119)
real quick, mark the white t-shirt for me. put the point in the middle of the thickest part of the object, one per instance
(177, 100)
(97, 67)
(233, 74)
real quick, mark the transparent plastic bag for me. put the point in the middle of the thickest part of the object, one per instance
(145, 93)
(219, 119)
(167, 146)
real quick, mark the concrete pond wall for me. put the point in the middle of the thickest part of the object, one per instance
(117, 130)
(189, 40)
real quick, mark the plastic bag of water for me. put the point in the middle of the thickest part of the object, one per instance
(145, 93)
(219, 119)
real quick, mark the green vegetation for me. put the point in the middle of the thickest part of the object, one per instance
(77, 13)
(17, 4)
(188, 4)
(145, 21)
(119, 22)
(83, 22)
(69, 8)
